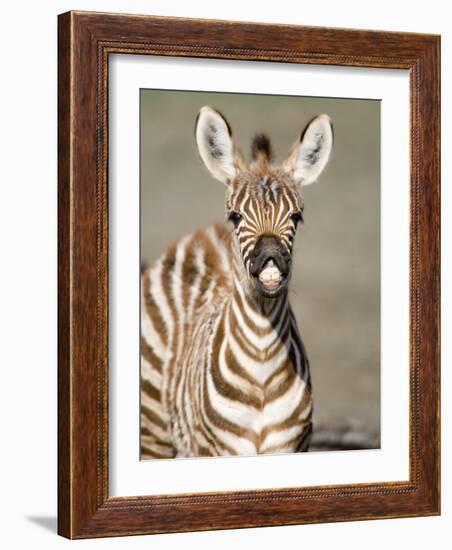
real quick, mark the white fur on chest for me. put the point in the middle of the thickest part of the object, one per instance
(249, 417)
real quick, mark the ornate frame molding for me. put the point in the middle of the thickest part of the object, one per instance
(85, 42)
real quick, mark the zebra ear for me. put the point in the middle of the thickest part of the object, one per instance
(215, 144)
(308, 157)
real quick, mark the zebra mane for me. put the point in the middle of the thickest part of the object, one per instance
(261, 147)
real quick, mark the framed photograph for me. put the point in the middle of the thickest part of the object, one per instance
(248, 275)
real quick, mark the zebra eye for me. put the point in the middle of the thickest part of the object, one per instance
(297, 217)
(234, 217)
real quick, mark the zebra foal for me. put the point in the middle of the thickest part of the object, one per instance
(223, 368)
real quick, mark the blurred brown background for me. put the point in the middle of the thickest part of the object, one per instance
(335, 289)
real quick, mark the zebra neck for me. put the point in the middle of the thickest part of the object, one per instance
(260, 310)
(251, 345)
(259, 326)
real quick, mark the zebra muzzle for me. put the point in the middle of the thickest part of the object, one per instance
(270, 277)
(270, 266)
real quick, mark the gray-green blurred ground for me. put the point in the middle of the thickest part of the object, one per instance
(335, 288)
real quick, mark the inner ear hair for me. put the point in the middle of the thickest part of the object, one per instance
(308, 157)
(215, 144)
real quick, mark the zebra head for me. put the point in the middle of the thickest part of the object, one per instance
(264, 203)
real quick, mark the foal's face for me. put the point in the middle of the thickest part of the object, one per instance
(263, 201)
(265, 210)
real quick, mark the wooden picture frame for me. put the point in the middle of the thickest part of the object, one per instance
(85, 42)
